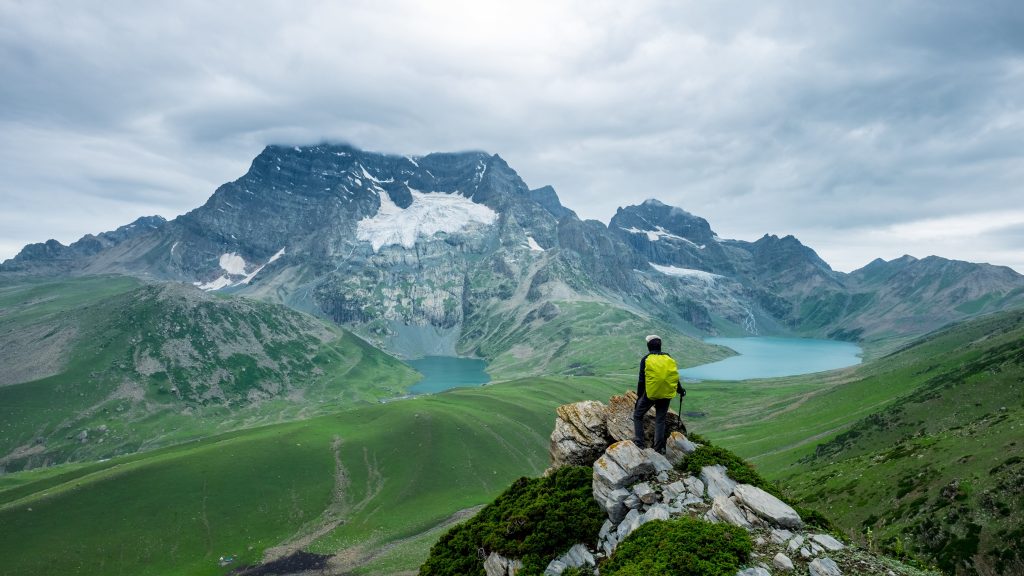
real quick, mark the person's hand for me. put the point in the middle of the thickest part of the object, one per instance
(680, 390)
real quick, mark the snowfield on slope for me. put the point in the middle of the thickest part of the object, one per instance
(428, 214)
(706, 277)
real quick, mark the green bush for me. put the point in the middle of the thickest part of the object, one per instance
(683, 547)
(535, 520)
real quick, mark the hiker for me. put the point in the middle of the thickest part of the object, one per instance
(657, 384)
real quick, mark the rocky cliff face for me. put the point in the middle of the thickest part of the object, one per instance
(416, 252)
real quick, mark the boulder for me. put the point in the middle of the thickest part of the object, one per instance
(621, 465)
(726, 510)
(780, 536)
(694, 486)
(656, 512)
(795, 543)
(498, 565)
(578, 556)
(555, 568)
(717, 481)
(631, 522)
(645, 493)
(828, 542)
(767, 507)
(824, 567)
(660, 463)
(782, 562)
(580, 435)
(612, 501)
(619, 419)
(678, 447)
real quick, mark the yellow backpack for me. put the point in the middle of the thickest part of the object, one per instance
(661, 375)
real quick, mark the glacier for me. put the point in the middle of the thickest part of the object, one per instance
(429, 213)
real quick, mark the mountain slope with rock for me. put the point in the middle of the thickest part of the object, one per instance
(104, 365)
(452, 253)
(698, 509)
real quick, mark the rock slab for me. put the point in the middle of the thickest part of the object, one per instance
(767, 507)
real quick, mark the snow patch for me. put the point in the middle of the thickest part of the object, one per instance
(232, 264)
(658, 233)
(412, 161)
(533, 244)
(222, 282)
(428, 214)
(706, 277)
(173, 246)
(248, 277)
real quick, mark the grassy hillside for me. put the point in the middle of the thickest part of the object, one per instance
(580, 338)
(378, 482)
(103, 366)
(923, 443)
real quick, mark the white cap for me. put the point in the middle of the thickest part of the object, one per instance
(653, 337)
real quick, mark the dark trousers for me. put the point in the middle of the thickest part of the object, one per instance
(643, 404)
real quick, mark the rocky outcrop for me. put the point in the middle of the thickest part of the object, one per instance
(580, 435)
(767, 507)
(584, 430)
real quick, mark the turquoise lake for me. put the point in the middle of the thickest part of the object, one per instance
(443, 372)
(765, 357)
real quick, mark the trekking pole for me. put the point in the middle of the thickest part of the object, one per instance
(681, 423)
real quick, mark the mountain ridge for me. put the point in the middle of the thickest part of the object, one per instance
(391, 245)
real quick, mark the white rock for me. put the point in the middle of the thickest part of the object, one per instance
(727, 511)
(767, 506)
(498, 565)
(677, 447)
(692, 500)
(629, 523)
(755, 571)
(694, 486)
(795, 543)
(717, 481)
(781, 536)
(605, 529)
(828, 542)
(662, 477)
(578, 556)
(555, 568)
(611, 501)
(645, 493)
(805, 553)
(824, 567)
(782, 562)
(579, 435)
(671, 491)
(660, 463)
(632, 502)
(657, 512)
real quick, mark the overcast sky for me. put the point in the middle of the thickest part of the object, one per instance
(865, 129)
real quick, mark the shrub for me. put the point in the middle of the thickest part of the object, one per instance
(683, 547)
(534, 520)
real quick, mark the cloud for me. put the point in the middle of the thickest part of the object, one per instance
(819, 120)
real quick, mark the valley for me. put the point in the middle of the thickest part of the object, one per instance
(239, 382)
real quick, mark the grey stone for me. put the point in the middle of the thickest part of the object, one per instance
(611, 501)
(632, 502)
(795, 543)
(645, 493)
(605, 529)
(726, 510)
(782, 562)
(692, 500)
(629, 523)
(662, 477)
(828, 542)
(657, 512)
(755, 571)
(578, 556)
(768, 507)
(781, 536)
(661, 464)
(815, 548)
(678, 447)
(671, 491)
(717, 481)
(555, 568)
(498, 565)
(694, 486)
(805, 553)
(580, 434)
(824, 567)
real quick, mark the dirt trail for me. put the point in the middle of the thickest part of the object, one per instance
(332, 517)
(346, 561)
